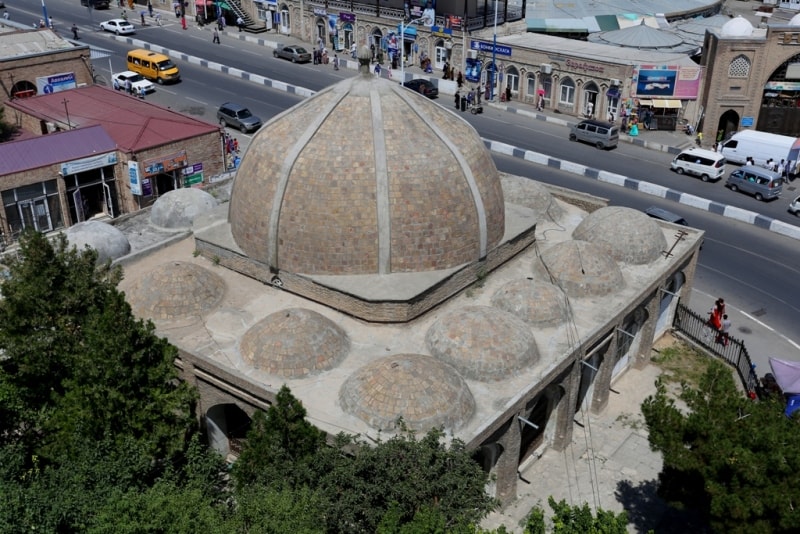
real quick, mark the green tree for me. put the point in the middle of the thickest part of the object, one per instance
(77, 362)
(734, 460)
(567, 519)
(6, 129)
(281, 446)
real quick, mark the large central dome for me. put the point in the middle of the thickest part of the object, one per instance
(366, 177)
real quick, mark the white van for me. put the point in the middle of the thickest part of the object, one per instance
(760, 146)
(706, 164)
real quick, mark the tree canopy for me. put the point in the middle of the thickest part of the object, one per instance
(733, 459)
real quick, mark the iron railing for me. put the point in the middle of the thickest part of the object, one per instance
(695, 327)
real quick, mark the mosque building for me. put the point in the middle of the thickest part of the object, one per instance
(373, 259)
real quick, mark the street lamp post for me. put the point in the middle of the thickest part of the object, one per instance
(403, 46)
(44, 14)
(494, 55)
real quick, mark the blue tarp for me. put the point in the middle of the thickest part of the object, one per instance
(792, 405)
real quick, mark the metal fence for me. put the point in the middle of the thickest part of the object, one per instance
(695, 327)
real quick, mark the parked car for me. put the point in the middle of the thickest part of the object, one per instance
(665, 215)
(794, 206)
(138, 82)
(295, 54)
(599, 133)
(236, 116)
(706, 164)
(118, 26)
(423, 87)
(95, 4)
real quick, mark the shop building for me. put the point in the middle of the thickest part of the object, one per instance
(128, 153)
(753, 79)
(34, 62)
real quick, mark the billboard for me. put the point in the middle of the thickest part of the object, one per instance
(56, 83)
(666, 81)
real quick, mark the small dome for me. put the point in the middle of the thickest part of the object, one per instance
(178, 208)
(408, 187)
(425, 392)
(737, 27)
(795, 20)
(174, 290)
(483, 343)
(532, 195)
(580, 268)
(631, 235)
(294, 343)
(536, 302)
(109, 241)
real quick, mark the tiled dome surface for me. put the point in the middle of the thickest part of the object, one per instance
(425, 392)
(632, 236)
(366, 177)
(483, 343)
(175, 290)
(294, 343)
(580, 268)
(535, 301)
(535, 196)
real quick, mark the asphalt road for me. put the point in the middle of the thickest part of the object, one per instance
(755, 270)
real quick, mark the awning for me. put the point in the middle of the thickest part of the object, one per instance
(644, 102)
(667, 104)
(410, 32)
(201, 3)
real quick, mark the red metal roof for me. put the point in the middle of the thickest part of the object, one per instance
(134, 124)
(41, 151)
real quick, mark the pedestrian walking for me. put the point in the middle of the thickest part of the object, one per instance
(724, 332)
(75, 32)
(150, 8)
(142, 15)
(335, 62)
(782, 168)
(353, 50)
(5, 17)
(699, 139)
(589, 109)
(378, 70)
(50, 23)
(240, 23)
(508, 93)
(141, 93)
(158, 19)
(216, 36)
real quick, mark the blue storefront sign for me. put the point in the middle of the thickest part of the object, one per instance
(500, 50)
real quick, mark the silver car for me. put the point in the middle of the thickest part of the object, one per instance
(794, 206)
(295, 54)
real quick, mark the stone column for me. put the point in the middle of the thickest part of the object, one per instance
(647, 331)
(566, 408)
(507, 466)
(602, 381)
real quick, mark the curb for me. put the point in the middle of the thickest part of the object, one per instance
(731, 212)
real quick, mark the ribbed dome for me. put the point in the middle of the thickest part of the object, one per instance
(632, 236)
(536, 302)
(483, 343)
(581, 269)
(109, 241)
(175, 290)
(737, 27)
(294, 343)
(366, 177)
(425, 392)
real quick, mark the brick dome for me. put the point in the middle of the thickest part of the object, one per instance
(630, 235)
(366, 177)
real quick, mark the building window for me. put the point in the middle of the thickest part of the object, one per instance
(513, 79)
(547, 86)
(739, 67)
(530, 85)
(567, 92)
(440, 54)
(285, 23)
(35, 206)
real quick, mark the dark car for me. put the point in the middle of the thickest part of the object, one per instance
(664, 215)
(236, 116)
(295, 54)
(423, 87)
(96, 4)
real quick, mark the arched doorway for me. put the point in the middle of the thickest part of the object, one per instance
(227, 426)
(728, 125)
(375, 41)
(590, 100)
(668, 301)
(537, 412)
(349, 36)
(319, 33)
(512, 80)
(780, 103)
(286, 26)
